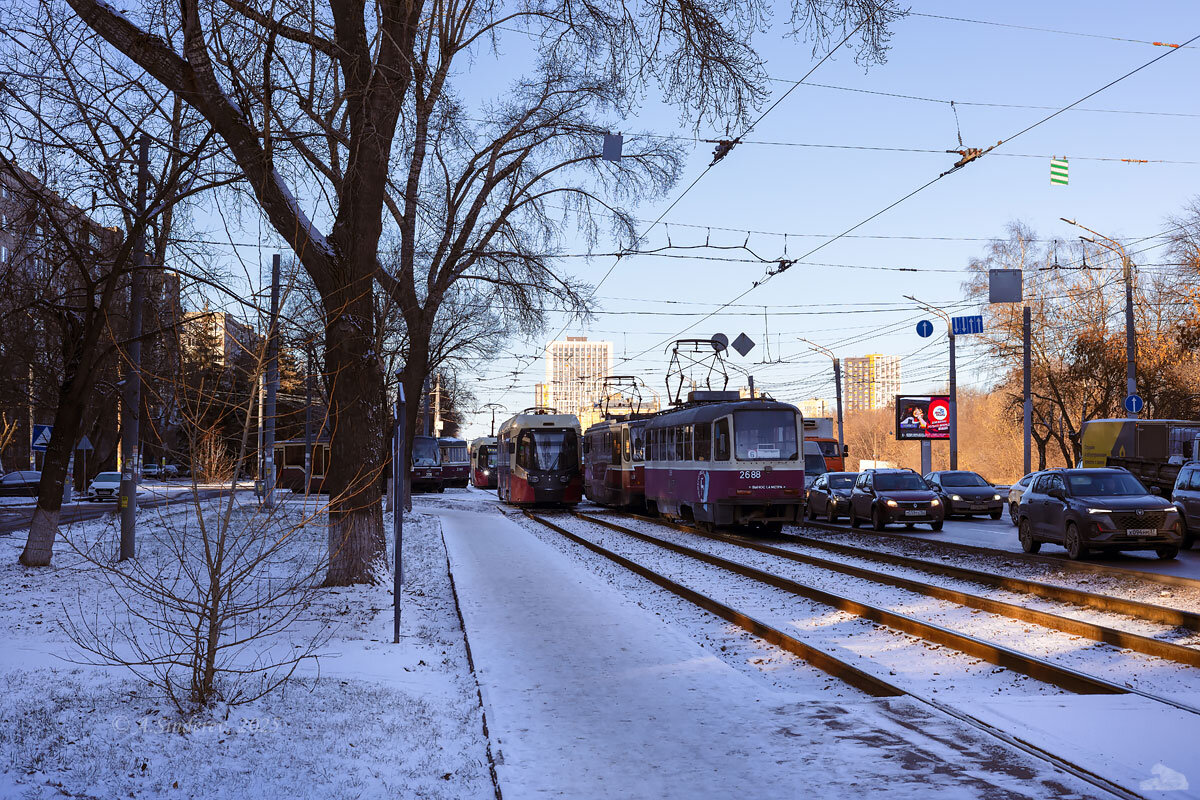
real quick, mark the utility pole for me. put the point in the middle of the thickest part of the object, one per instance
(1112, 245)
(1028, 389)
(131, 391)
(837, 382)
(953, 379)
(272, 388)
(493, 407)
(308, 433)
(750, 378)
(399, 475)
(426, 421)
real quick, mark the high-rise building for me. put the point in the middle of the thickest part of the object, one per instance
(575, 373)
(870, 382)
(816, 407)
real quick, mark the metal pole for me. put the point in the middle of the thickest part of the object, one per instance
(272, 386)
(131, 399)
(953, 408)
(308, 437)
(751, 378)
(262, 464)
(1028, 390)
(926, 456)
(425, 420)
(398, 473)
(1130, 335)
(493, 433)
(837, 381)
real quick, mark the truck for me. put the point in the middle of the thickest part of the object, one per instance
(1153, 450)
(820, 430)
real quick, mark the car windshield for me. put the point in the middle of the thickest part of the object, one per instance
(1100, 484)
(547, 449)
(766, 435)
(106, 477)
(899, 482)
(828, 449)
(425, 452)
(962, 479)
(841, 481)
(814, 464)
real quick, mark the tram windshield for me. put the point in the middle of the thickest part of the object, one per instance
(548, 450)
(487, 456)
(425, 452)
(454, 454)
(766, 435)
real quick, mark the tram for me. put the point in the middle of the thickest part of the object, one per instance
(537, 459)
(482, 454)
(425, 474)
(721, 460)
(289, 465)
(456, 465)
(614, 462)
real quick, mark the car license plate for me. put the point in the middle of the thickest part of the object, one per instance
(979, 506)
(1141, 531)
(916, 512)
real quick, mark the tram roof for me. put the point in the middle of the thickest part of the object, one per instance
(705, 412)
(524, 421)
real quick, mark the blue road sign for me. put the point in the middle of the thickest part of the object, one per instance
(964, 325)
(924, 329)
(41, 438)
(1134, 404)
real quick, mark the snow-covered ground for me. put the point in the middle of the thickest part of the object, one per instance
(367, 719)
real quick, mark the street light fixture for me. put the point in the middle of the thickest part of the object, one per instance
(837, 380)
(1112, 245)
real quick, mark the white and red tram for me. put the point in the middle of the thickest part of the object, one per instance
(719, 460)
(537, 459)
(482, 452)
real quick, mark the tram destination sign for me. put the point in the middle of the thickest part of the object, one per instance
(922, 417)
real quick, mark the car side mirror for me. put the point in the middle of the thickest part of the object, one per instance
(1155, 490)
(1057, 493)
(845, 450)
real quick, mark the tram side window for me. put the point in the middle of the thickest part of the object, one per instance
(687, 442)
(614, 448)
(722, 440)
(639, 446)
(703, 441)
(626, 445)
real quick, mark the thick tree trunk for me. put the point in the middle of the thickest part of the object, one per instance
(357, 544)
(43, 530)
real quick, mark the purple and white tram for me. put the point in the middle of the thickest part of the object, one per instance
(720, 460)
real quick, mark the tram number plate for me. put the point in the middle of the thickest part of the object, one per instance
(916, 512)
(1141, 531)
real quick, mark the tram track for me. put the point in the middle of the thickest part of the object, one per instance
(1059, 676)
(1057, 562)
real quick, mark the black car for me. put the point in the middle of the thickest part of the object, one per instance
(23, 483)
(829, 496)
(1097, 509)
(1186, 497)
(885, 496)
(966, 493)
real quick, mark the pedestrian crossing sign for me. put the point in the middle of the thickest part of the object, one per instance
(41, 438)
(1058, 171)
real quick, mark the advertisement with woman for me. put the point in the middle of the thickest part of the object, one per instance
(922, 417)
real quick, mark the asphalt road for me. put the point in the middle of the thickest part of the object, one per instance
(17, 519)
(1002, 535)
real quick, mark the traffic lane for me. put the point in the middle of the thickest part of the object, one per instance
(13, 520)
(1000, 534)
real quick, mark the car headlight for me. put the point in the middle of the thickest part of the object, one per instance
(1099, 510)
(534, 479)
(934, 503)
(892, 503)
(955, 497)
(995, 497)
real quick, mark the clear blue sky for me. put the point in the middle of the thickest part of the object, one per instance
(814, 193)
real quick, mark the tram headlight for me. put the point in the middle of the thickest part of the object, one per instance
(486, 473)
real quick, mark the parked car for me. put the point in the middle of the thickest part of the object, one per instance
(105, 486)
(1103, 508)
(829, 495)
(966, 493)
(884, 496)
(22, 483)
(1014, 496)
(1186, 498)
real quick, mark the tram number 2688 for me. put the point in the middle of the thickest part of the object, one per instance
(750, 473)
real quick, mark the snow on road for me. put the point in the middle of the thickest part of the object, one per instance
(589, 694)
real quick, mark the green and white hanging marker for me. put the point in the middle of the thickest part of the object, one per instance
(1058, 171)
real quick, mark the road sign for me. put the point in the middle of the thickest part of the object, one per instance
(720, 342)
(743, 344)
(965, 325)
(1004, 286)
(84, 444)
(41, 438)
(1134, 404)
(924, 329)
(1058, 171)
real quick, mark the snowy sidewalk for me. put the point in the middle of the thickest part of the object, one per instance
(589, 695)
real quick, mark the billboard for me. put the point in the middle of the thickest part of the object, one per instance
(922, 417)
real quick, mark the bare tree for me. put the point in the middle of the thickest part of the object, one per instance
(334, 101)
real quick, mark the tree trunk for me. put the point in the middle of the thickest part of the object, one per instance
(357, 544)
(43, 530)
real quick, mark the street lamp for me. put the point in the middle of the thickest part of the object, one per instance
(1114, 246)
(953, 380)
(493, 407)
(837, 381)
